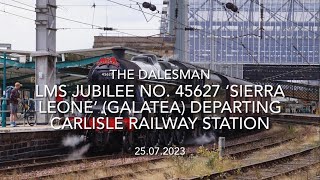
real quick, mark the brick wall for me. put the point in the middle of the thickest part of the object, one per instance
(31, 144)
(158, 45)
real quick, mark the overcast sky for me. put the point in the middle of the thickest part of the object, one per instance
(21, 33)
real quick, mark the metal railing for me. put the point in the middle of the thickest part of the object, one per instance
(31, 104)
(1, 99)
(3, 110)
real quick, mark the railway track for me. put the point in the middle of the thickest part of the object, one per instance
(151, 160)
(33, 164)
(62, 157)
(132, 174)
(230, 153)
(267, 143)
(289, 167)
(250, 144)
(272, 168)
(232, 149)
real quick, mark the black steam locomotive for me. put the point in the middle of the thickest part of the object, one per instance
(127, 140)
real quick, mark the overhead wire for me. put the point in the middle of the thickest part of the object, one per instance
(99, 27)
(88, 5)
(269, 36)
(94, 10)
(249, 51)
(284, 18)
(274, 14)
(120, 4)
(67, 19)
(4, 11)
(84, 23)
(23, 3)
(122, 29)
(132, 34)
(176, 21)
(298, 52)
(145, 17)
(96, 26)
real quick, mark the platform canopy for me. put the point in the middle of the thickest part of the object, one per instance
(72, 65)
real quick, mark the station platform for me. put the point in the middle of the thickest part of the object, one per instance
(314, 118)
(27, 128)
(32, 141)
(23, 126)
(300, 115)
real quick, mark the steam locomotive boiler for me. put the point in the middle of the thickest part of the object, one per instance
(100, 74)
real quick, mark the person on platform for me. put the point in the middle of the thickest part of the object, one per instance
(14, 100)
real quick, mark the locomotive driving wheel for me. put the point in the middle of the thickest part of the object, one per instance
(179, 137)
(153, 138)
(166, 138)
(142, 139)
(128, 142)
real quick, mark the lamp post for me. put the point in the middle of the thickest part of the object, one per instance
(4, 101)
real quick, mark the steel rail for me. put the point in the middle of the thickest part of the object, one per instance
(132, 174)
(289, 171)
(40, 166)
(239, 153)
(157, 159)
(125, 165)
(266, 163)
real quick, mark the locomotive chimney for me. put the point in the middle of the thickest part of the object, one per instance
(119, 52)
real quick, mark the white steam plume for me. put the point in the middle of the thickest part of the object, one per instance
(202, 140)
(72, 141)
(78, 153)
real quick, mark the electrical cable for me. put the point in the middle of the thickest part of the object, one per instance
(98, 5)
(71, 28)
(23, 3)
(99, 27)
(94, 10)
(76, 21)
(174, 20)
(67, 19)
(298, 52)
(285, 19)
(17, 15)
